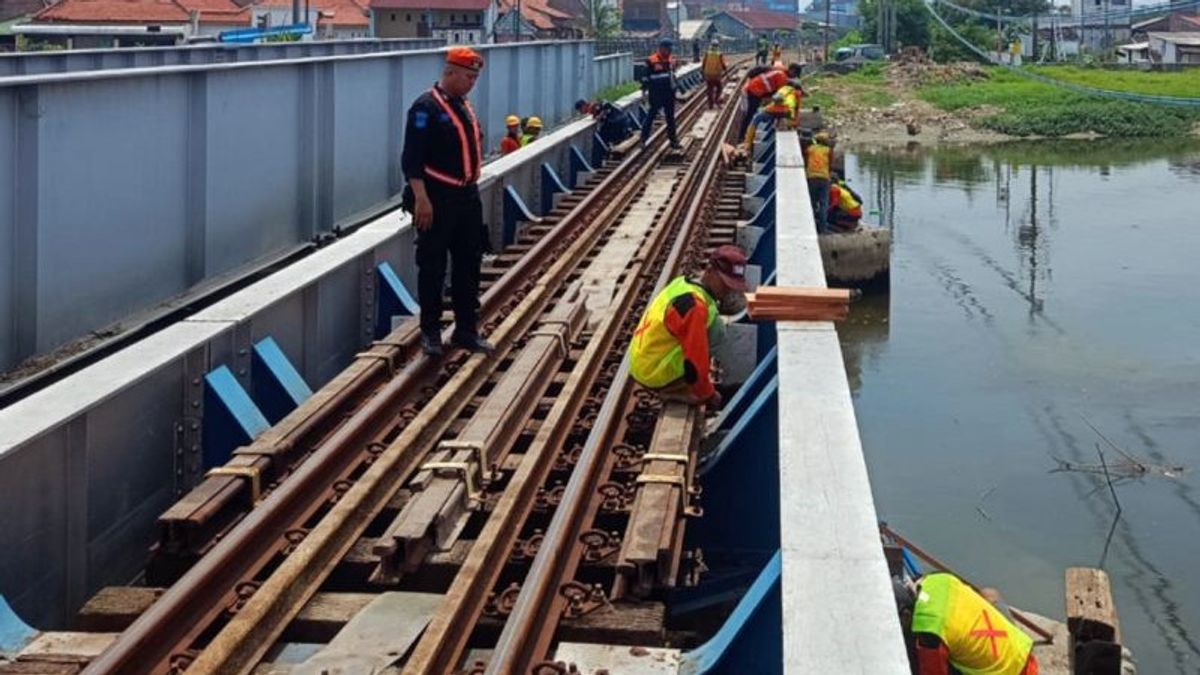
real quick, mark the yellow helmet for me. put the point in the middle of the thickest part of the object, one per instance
(821, 137)
(512, 121)
(534, 123)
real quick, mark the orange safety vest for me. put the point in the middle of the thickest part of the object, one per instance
(471, 167)
(980, 639)
(817, 161)
(762, 86)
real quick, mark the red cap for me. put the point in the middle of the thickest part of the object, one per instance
(729, 261)
(465, 57)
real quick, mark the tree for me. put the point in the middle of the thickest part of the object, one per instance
(912, 22)
(944, 47)
(603, 18)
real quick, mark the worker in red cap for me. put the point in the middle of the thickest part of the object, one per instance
(443, 155)
(670, 348)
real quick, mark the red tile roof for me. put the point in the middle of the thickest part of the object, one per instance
(453, 5)
(761, 19)
(537, 13)
(346, 13)
(114, 11)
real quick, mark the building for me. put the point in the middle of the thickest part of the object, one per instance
(645, 18)
(748, 24)
(541, 19)
(1101, 24)
(1175, 48)
(457, 21)
(1175, 22)
(81, 24)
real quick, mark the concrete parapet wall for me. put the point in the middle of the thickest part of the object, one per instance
(128, 187)
(839, 614)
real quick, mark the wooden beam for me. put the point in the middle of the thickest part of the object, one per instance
(1091, 613)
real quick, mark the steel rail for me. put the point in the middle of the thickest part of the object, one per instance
(526, 635)
(189, 607)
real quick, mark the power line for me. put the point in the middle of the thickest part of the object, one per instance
(1146, 10)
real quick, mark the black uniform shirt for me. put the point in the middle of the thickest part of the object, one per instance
(431, 138)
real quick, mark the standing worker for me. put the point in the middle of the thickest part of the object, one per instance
(760, 50)
(442, 159)
(777, 54)
(817, 165)
(713, 68)
(670, 353)
(512, 135)
(533, 128)
(660, 87)
(950, 628)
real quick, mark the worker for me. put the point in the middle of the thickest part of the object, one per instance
(783, 108)
(613, 122)
(816, 165)
(951, 628)
(670, 351)
(761, 83)
(441, 161)
(845, 205)
(760, 50)
(695, 51)
(777, 54)
(512, 135)
(533, 127)
(713, 68)
(659, 85)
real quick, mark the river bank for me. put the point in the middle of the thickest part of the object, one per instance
(898, 103)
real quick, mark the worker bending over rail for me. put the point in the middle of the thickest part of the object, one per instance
(951, 628)
(761, 84)
(670, 351)
(612, 121)
(442, 159)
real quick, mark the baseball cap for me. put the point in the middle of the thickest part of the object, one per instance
(666, 42)
(729, 261)
(465, 57)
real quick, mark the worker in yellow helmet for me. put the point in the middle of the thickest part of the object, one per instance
(512, 135)
(817, 165)
(533, 127)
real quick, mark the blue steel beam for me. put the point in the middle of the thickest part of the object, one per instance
(515, 213)
(551, 185)
(394, 299)
(231, 419)
(275, 384)
(750, 640)
(579, 164)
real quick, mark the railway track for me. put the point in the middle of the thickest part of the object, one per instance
(513, 495)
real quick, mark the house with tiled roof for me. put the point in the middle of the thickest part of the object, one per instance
(457, 21)
(750, 23)
(542, 19)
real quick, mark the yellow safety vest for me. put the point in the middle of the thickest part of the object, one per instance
(817, 161)
(846, 200)
(712, 65)
(981, 640)
(655, 356)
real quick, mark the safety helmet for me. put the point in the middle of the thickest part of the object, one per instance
(533, 123)
(512, 121)
(821, 137)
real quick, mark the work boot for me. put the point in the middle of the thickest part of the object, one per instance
(676, 146)
(431, 344)
(472, 342)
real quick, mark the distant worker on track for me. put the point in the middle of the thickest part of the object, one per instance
(670, 352)
(817, 161)
(442, 160)
(659, 86)
(512, 135)
(713, 68)
(777, 54)
(950, 628)
(533, 129)
(761, 50)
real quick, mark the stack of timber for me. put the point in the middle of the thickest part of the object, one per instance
(799, 304)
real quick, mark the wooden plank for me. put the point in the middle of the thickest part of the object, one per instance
(39, 668)
(1091, 613)
(66, 647)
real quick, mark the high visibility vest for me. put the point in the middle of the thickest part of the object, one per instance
(527, 139)
(655, 356)
(767, 83)
(817, 161)
(846, 202)
(981, 640)
(711, 67)
(470, 167)
(790, 107)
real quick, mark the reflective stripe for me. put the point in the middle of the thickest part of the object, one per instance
(444, 178)
(470, 169)
(659, 76)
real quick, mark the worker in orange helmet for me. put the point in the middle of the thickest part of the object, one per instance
(761, 83)
(512, 135)
(441, 161)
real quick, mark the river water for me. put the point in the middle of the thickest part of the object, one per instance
(1039, 288)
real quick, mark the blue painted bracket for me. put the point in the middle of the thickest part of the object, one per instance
(231, 419)
(551, 185)
(768, 186)
(394, 299)
(764, 250)
(579, 164)
(766, 215)
(515, 212)
(750, 641)
(766, 163)
(600, 150)
(14, 632)
(749, 391)
(275, 385)
(741, 475)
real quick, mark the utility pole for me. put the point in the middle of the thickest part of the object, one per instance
(825, 46)
(1034, 39)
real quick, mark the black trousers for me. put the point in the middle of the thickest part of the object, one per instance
(665, 103)
(457, 233)
(752, 103)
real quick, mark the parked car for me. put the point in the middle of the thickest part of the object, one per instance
(865, 52)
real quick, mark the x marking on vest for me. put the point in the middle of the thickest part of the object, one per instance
(990, 633)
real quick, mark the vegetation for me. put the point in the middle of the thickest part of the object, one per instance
(617, 91)
(912, 22)
(602, 18)
(1027, 107)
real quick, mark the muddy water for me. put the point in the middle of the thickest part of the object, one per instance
(1037, 288)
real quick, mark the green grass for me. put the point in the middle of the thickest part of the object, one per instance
(877, 98)
(617, 91)
(1028, 107)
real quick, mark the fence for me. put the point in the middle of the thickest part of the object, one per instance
(127, 188)
(76, 60)
(613, 69)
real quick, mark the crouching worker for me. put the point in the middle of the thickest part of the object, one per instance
(670, 353)
(845, 206)
(950, 628)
